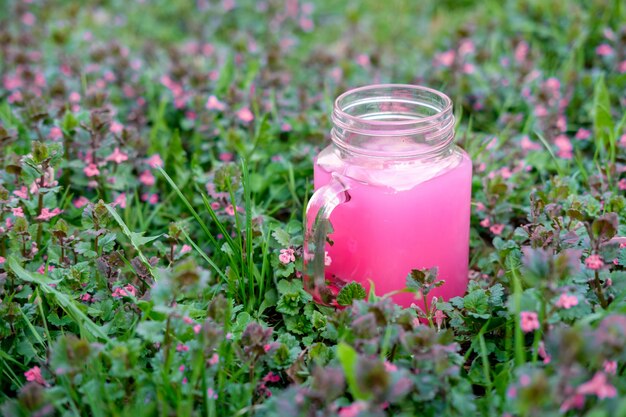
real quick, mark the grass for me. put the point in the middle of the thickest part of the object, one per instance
(163, 291)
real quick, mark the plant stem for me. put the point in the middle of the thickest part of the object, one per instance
(597, 286)
(39, 208)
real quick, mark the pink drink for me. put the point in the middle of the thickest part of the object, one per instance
(400, 216)
(396, 191)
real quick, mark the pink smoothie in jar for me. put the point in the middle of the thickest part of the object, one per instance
(397, 192)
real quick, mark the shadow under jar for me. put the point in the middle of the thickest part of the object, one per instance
(393, 193)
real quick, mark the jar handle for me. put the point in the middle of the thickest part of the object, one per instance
(317, 226)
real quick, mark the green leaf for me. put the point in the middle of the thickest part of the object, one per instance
(226, 77)
(496, 295)
(349, 293)
(605, 226)
(151, 331)
(136, 239)
(477, 304)
(63, 300)
(292, 296)
(348, 358)
(281, 237)
(422, 280)
(69, 122)
(602, 120)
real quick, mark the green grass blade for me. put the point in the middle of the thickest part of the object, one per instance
(64, 301)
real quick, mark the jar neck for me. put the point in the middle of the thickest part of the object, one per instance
(393, 121)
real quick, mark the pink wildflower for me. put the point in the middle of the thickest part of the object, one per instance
(529, 321)
(47, 214)
(120, 200)
(445, 59)
(598, 386)
(226, 156)
(511, 392)
(245, 115)
(126, 291)
(182, 348)
(214, 359)
(306, 24)
(146, 178)
(21, 193)
(541, 351)
(185, 249)
(55, 133)
(287, 255)
(150, 198)
(34, 374)
(521, 51)
(561, 123)
(214, 104)
(622, 184)
(181, 368)
(576, 401)
(524, 380)
(610, 367)
(42, 269)
(2, 260)
(116, 127)
(565, 147)
(285, 127)
(390, 367)
(86, 297)
(155, 161)
(211, 394)
(271, 377)
(469, 68)
(594, 262)
(363, 60)
(541, 111)
(80, 202)
(117, 156)
(583, 134)
(529, 145)
(567, 301)
(28, 19)
(74, 97)
(230, 210)
(197, 328)
(439, 317)
(91, 170)
(622, 67)
(18, 212)
(353, 410)
(497, 229)
(604, 50)
(485, 222)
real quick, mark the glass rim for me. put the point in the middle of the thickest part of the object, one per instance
(340, 115)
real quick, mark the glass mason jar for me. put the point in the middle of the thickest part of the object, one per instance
(393, 194)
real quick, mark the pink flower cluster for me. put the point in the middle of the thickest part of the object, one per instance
(126, 291)
(34, 375)
(529, 321)
(353, 409)
(287, 255)
(566, 301)
(594, 262)
(47, 214)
